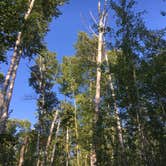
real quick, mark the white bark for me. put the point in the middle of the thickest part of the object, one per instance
(51, 131)
(67, 147)
(50, 137)
(22, 151)
(101, 26)
(54, 148)
(76, 129)
(98, 74)
(11, 75)
(92, 158)
(118, 123)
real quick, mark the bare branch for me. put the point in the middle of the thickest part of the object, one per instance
(92, 31)
(93, 18)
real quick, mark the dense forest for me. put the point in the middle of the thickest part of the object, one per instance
(112, 105)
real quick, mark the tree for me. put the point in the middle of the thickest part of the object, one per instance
(11, 141)
(28, 42)
(134, 42)
(43, 79)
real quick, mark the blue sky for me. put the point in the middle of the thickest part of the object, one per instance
(61, 38)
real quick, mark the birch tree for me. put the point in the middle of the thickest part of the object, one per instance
(28, 44)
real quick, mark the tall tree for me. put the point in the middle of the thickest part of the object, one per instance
(43, 79)
(28, 42)
(132, 37)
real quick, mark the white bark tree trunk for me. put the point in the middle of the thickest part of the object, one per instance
(22, 151)
(92, 158)
(98, 61)
(54, 148)
(50, 137)
(67, 147)
(76, 129)
(101, 26)
(11, 75)
(118, 123)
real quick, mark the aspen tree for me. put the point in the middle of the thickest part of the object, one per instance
(55, 116)
(22, 151)
(101, 30)
(54, 147)
(118, 123)
(11, 75)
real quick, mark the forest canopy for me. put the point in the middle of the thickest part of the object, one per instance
(104, 105)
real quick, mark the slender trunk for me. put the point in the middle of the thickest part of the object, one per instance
(7, 99)
(86, 158)
(38, 149)
(12, 64)
(98, 72)
(41, 110)
(76, 129)
(67, 147)
(11, 76)
(50, 136)
(54, 148)
(119, 128)
(140, 128)
(98, 77)
(22, 152)
(92, 158)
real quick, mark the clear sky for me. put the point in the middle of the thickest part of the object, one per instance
(61, 38)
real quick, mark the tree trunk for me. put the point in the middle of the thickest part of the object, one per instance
(38, 148)
(40, 160)
(76, 129)
(50, 137)
(118, 127)
(92, 158)
(67, 147)
(22, 152)
(140, 128)
(101, 26)
(11, 76)
(54, 148)
(6, 101)
(98, 74)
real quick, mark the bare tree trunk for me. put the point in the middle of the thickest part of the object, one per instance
(67, 147)
(6, 102)
(98, 61)
(40, 160)
(76, 129)
(101, 26)
(119, 128)
(50, 137)
(54, 148)
(11, 75)
(22, 152)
